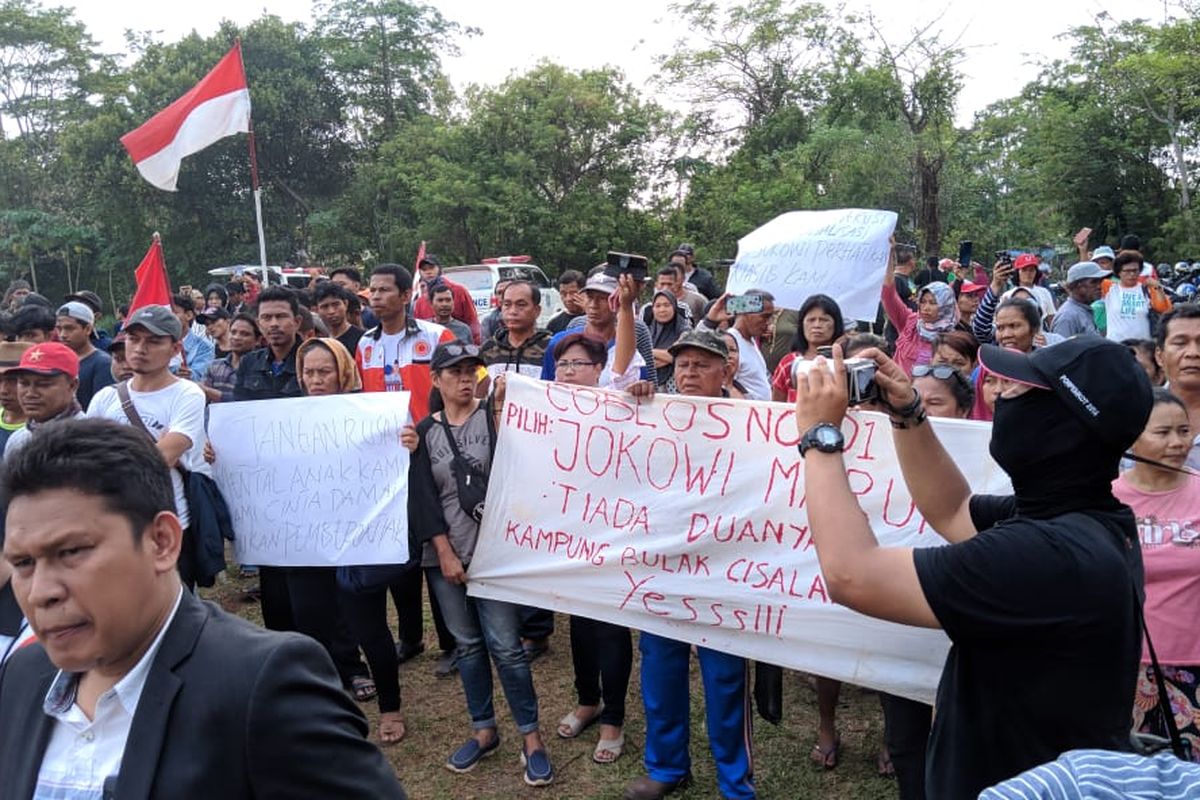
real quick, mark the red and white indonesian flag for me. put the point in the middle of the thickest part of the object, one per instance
(216, 107)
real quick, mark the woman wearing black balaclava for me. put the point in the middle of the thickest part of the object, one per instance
(1039, 591)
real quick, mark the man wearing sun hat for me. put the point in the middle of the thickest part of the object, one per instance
(47, 377)
(1039, 591)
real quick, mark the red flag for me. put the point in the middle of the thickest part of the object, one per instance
(153, 285)
(420, 258)
(216, 107)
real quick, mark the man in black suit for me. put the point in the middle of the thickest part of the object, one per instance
(137, 689)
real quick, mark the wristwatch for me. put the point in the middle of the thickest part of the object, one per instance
(825, 437)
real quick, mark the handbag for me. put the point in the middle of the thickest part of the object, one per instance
(210, 522)
(768, 691)
(469, 477)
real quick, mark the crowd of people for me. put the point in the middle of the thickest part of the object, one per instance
(1094, 403)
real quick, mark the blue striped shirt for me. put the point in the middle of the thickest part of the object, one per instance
(1103, 775)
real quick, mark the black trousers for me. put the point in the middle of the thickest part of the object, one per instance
(366, 615)
(602, 654)
(536, 623)
(406, 594)
(305, 599)
(906, 725)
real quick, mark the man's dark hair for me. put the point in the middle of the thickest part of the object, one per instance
(96, 457)
(571, 276)
(327, 289)
(349, 272)
(673, 271)
(279, 294)
(822, 302)
(242, 316)
(30, 318)
(1028, 309)
(1180, 311)
(183, 301)
(678, 253)
(402, 277)
(535, 294)
(438, 286)
(1126, 257)
(234, 287)
(931, 262)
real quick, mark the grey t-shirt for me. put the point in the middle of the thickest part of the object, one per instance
(431, 481)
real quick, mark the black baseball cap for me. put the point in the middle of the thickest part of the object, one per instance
(430, 258)
(451, 353)
(1098, 380)
(88, 298)
(211, 315)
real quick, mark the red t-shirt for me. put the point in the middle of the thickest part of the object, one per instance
(400, 361)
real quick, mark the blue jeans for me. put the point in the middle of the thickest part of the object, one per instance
(481, 626)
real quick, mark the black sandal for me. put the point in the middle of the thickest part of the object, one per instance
(363, 688)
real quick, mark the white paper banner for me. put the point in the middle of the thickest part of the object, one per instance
(315, 481)
(686, 517)
(840, 252)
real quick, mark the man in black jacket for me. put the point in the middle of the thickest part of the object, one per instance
(174, 697)
(270, 372)
(699, 277)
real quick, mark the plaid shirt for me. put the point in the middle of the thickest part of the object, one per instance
(221, 376)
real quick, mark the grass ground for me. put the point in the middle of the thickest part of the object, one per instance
(437, 723)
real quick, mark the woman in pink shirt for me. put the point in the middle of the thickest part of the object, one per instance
(1167, 506)
(937, 313)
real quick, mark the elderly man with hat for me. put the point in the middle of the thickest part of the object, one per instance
(47, 377)
(701, 369)
(1039, 591)
(12, 416)
(1076, 318)
(75, 325)
(463, 310)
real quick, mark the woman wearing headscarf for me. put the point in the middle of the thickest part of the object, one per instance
(937, 313)
(325, 367)
(667, 324)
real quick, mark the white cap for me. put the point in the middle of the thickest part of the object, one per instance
(78, 311)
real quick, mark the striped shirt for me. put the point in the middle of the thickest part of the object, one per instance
(1103, 775)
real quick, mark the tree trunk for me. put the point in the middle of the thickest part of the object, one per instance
(929, 172)
(32, 270)
(1185, 195)
(67, 264)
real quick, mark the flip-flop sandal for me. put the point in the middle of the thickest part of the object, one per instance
(363, 688)
(827, 759)
(609, 750)
(385, 738)
(884, 765)
(575, 725)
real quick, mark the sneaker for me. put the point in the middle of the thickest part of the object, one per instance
(538, 771)
(467, 757)
(445, 665)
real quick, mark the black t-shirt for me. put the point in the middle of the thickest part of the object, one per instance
(350, 338)
(559, 322)
(1046, 634)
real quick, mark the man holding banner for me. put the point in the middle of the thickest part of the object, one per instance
(1039, 591)
(701, 368)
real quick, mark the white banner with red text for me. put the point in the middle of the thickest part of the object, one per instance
(686, 517)
(314, 481)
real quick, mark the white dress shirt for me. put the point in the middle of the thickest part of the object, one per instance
(82, 754)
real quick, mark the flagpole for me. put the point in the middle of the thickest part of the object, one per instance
(257, 187)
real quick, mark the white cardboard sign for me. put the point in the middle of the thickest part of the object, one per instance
(315, 481)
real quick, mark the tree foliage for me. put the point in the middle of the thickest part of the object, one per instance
(366, 150)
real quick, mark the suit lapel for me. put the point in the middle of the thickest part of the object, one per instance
(148, 730)
(35, 733)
